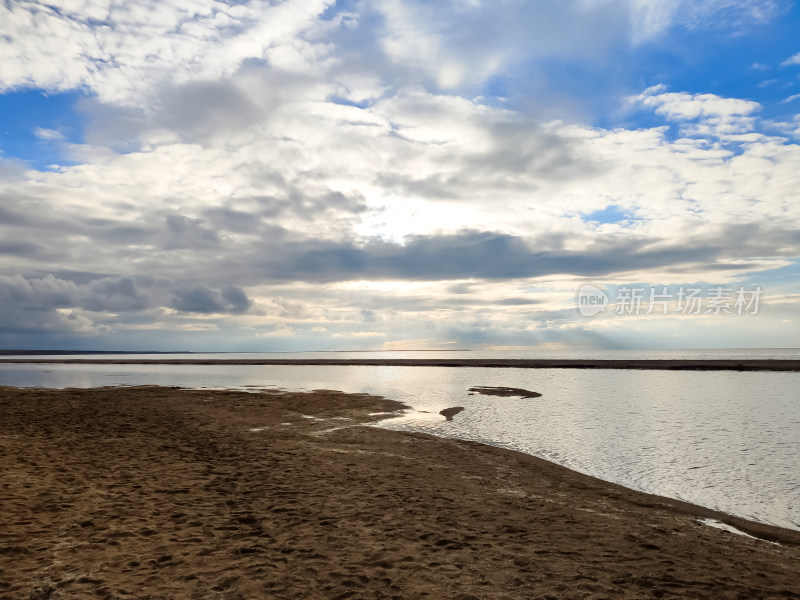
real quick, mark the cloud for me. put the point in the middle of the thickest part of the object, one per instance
(654, 17)
(701, 114)
(463, 44)
(49, 292)
(48, 303)
(20, 248)
(494, 256)
(295, 170)
(681, 106)
(201, 299)
(48, 134)
(121, 51)
(155, 55)
(792, 60)
(460, 45)
(409, 186)
(188, 232)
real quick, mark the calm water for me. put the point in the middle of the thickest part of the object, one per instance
(734, 353)
(726, 440)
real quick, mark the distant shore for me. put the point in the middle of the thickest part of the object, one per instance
(506, 363)
(137, 492)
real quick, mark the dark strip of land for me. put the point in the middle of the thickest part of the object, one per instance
(505, 363)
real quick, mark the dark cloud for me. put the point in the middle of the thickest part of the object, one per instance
(517, 302)
(233, 220)
(115, 232)
(20, 248)
(120, 294)
(201, 299)
(50, 304)
(197, 111)
(30, 321)
(42, 305)
(49, 292)
(200, 109)
(10, 217)
(236, 299)
(311, 207)
(264, 210)
(188, 232)
(44, 293)
(472, 255)
(369, 316)
(527, 148)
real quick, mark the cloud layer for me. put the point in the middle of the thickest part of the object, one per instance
(363, 174)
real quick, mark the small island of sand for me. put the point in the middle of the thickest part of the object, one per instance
(507, 392)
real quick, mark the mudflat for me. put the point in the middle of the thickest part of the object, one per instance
(147, 492)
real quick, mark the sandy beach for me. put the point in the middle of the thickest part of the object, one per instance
(147, 492)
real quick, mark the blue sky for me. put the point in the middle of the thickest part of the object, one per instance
(310, 174)
(28, 115)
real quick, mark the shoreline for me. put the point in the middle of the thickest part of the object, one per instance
(218, 493)
(645, 364)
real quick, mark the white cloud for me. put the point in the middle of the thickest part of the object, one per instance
(706, 115)
(414, 164)
(458, 44)
(128, 53)
(48, 134)
(652, 18)
(792, 60)
(122, 50)
(682, 106)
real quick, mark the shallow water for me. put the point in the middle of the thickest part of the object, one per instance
(725, 440)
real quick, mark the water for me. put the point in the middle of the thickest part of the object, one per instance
(725, 440)
(693, 354)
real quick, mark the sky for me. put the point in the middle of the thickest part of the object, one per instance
(209, 175)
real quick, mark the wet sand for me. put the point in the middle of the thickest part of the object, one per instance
(165, 493)
(652, 364)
